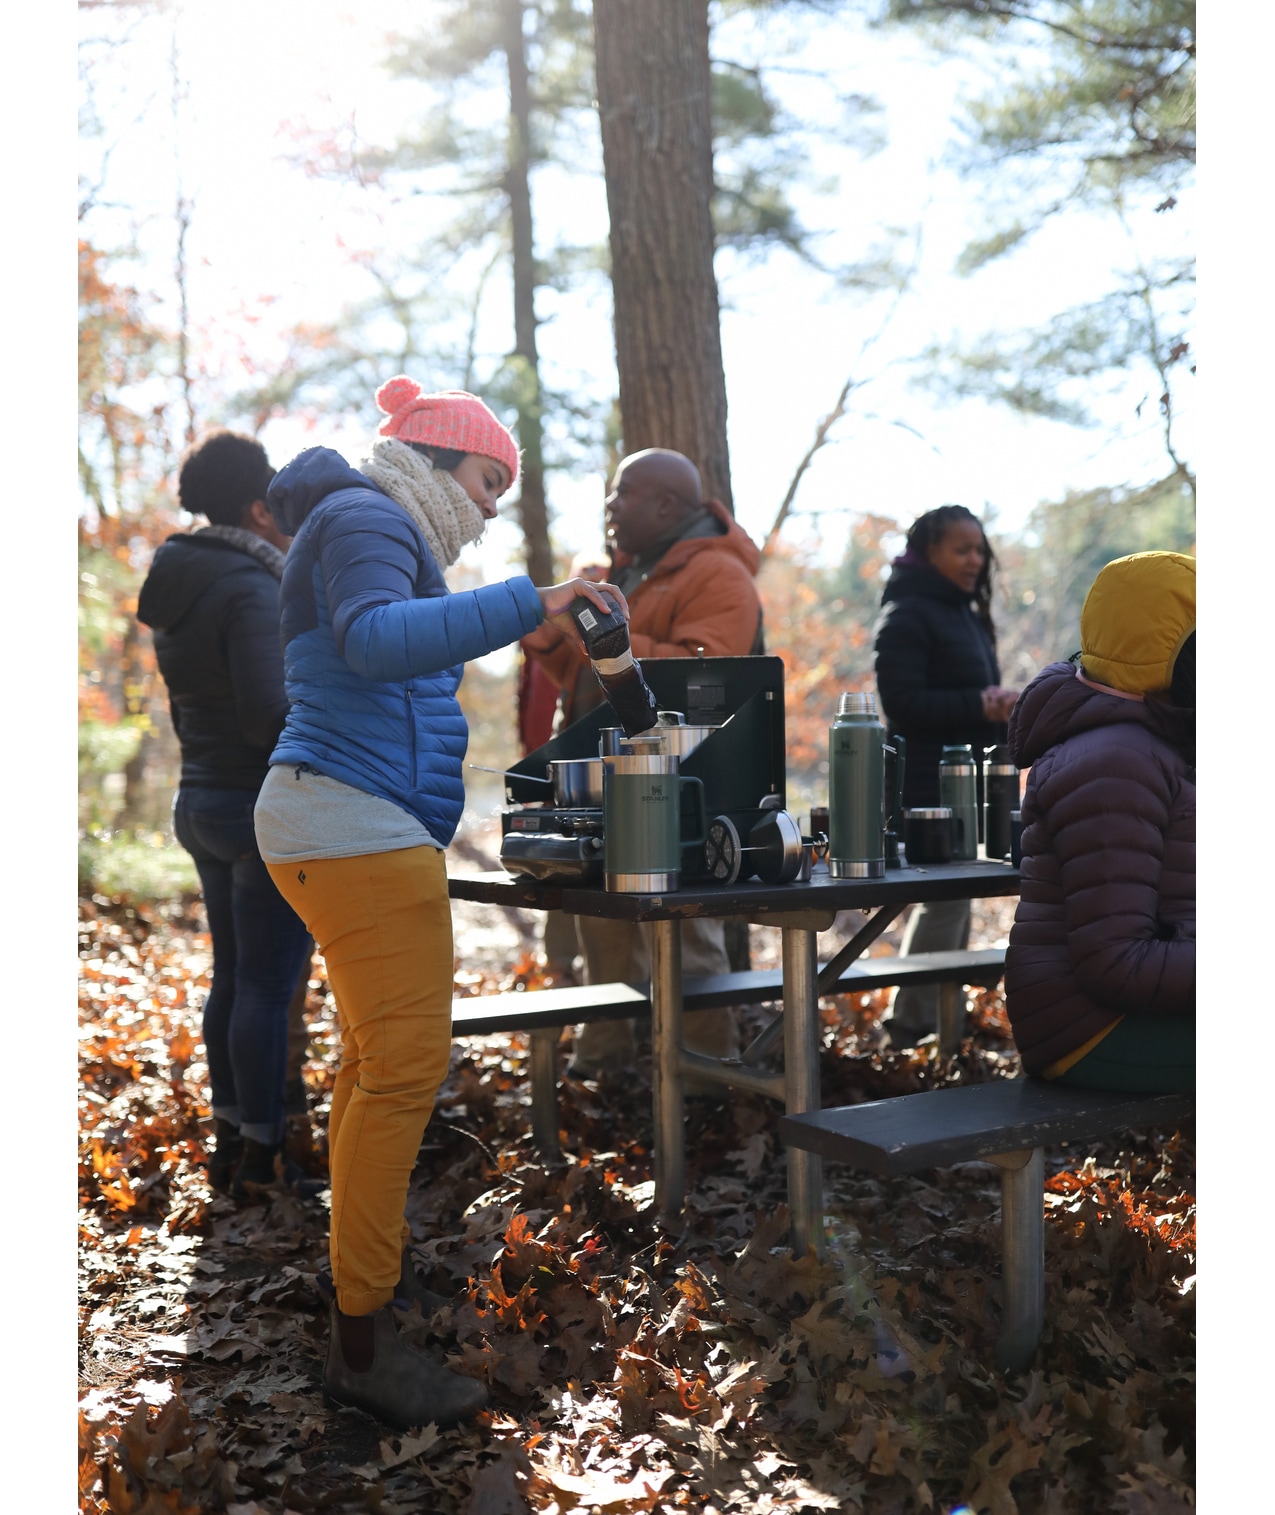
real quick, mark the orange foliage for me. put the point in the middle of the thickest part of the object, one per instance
(819, 618)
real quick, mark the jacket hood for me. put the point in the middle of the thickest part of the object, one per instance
(310, 477)
(182, 568)
(913, 575)
(736, 540)
(1138, 613)
(1056, 706)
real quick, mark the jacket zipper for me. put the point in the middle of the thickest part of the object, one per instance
(411, 729)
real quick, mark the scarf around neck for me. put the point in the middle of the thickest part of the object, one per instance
(266, 553)
(447, 517)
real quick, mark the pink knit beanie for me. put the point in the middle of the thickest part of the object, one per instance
(452, 419)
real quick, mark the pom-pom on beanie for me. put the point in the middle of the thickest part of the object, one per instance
(1138, 613)
(453, 419)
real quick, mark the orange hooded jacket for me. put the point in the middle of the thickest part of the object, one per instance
(701, 594)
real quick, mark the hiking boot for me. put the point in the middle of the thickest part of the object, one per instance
(264, 1169)
(224, 1154)
(409, 1290)
(370, 1366)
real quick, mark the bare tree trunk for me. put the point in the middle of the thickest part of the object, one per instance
(182, 215)
(133, 683)
(531, 501)
(654, 99)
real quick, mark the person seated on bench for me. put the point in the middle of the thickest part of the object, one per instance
(1100, 969)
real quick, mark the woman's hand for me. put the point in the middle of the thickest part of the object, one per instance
(998, 703)
(557, 598)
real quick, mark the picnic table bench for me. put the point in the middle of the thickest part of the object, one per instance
(800, 911)
(1008, 1122)
(544, 1012)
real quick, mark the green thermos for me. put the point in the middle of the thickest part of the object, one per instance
(856, 790)
(958, 788)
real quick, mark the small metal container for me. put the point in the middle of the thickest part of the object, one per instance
(927, 835)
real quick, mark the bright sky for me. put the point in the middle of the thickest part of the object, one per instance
(262, 228)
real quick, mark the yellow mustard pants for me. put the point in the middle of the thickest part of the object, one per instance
(384, 926)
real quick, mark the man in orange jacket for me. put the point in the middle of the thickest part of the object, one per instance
(687, 569)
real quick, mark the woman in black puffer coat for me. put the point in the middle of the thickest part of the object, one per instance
(211, 599)
(1100, 972)
(939, 684)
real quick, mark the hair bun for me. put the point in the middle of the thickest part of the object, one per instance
(397, 392)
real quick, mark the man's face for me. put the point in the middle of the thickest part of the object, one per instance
(636, 510)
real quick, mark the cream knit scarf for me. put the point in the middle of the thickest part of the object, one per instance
(447, 517)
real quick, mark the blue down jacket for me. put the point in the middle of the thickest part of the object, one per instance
(373, 642)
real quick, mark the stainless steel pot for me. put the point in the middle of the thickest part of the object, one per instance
(577, 782)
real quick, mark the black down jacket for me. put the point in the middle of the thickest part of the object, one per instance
(214, 611)
(934, 658)
(1105, 925)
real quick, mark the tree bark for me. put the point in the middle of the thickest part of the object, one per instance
(655, 103)
(532, 508)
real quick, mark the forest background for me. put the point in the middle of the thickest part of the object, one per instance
(166, 377)
(435, 203)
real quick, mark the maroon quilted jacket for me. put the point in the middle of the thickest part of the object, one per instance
(1105, 925)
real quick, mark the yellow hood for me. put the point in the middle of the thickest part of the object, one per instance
(1136, 616)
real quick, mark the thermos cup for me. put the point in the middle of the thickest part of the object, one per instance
(958, 790)
(927, 835)
(1000, 786)
(642, 820)
(856, 790)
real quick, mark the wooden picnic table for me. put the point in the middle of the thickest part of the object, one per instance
(800, 911)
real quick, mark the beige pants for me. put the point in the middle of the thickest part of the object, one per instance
(620, 952)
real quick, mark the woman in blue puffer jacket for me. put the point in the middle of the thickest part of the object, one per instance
(364, 792)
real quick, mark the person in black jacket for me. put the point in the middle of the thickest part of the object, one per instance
(212, 601)
(939, 684)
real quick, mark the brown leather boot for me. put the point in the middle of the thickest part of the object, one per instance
(370, 1366)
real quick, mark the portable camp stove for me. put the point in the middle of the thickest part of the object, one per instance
(741, 764)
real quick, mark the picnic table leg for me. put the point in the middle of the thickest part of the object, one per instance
(801, 1078)
(951, 1018)
(666, 1072)
(1023, 1255)
(544, 1090)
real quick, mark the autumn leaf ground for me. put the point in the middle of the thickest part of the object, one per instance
(630, 1368)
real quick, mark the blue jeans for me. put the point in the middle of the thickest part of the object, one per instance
(259, 945)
